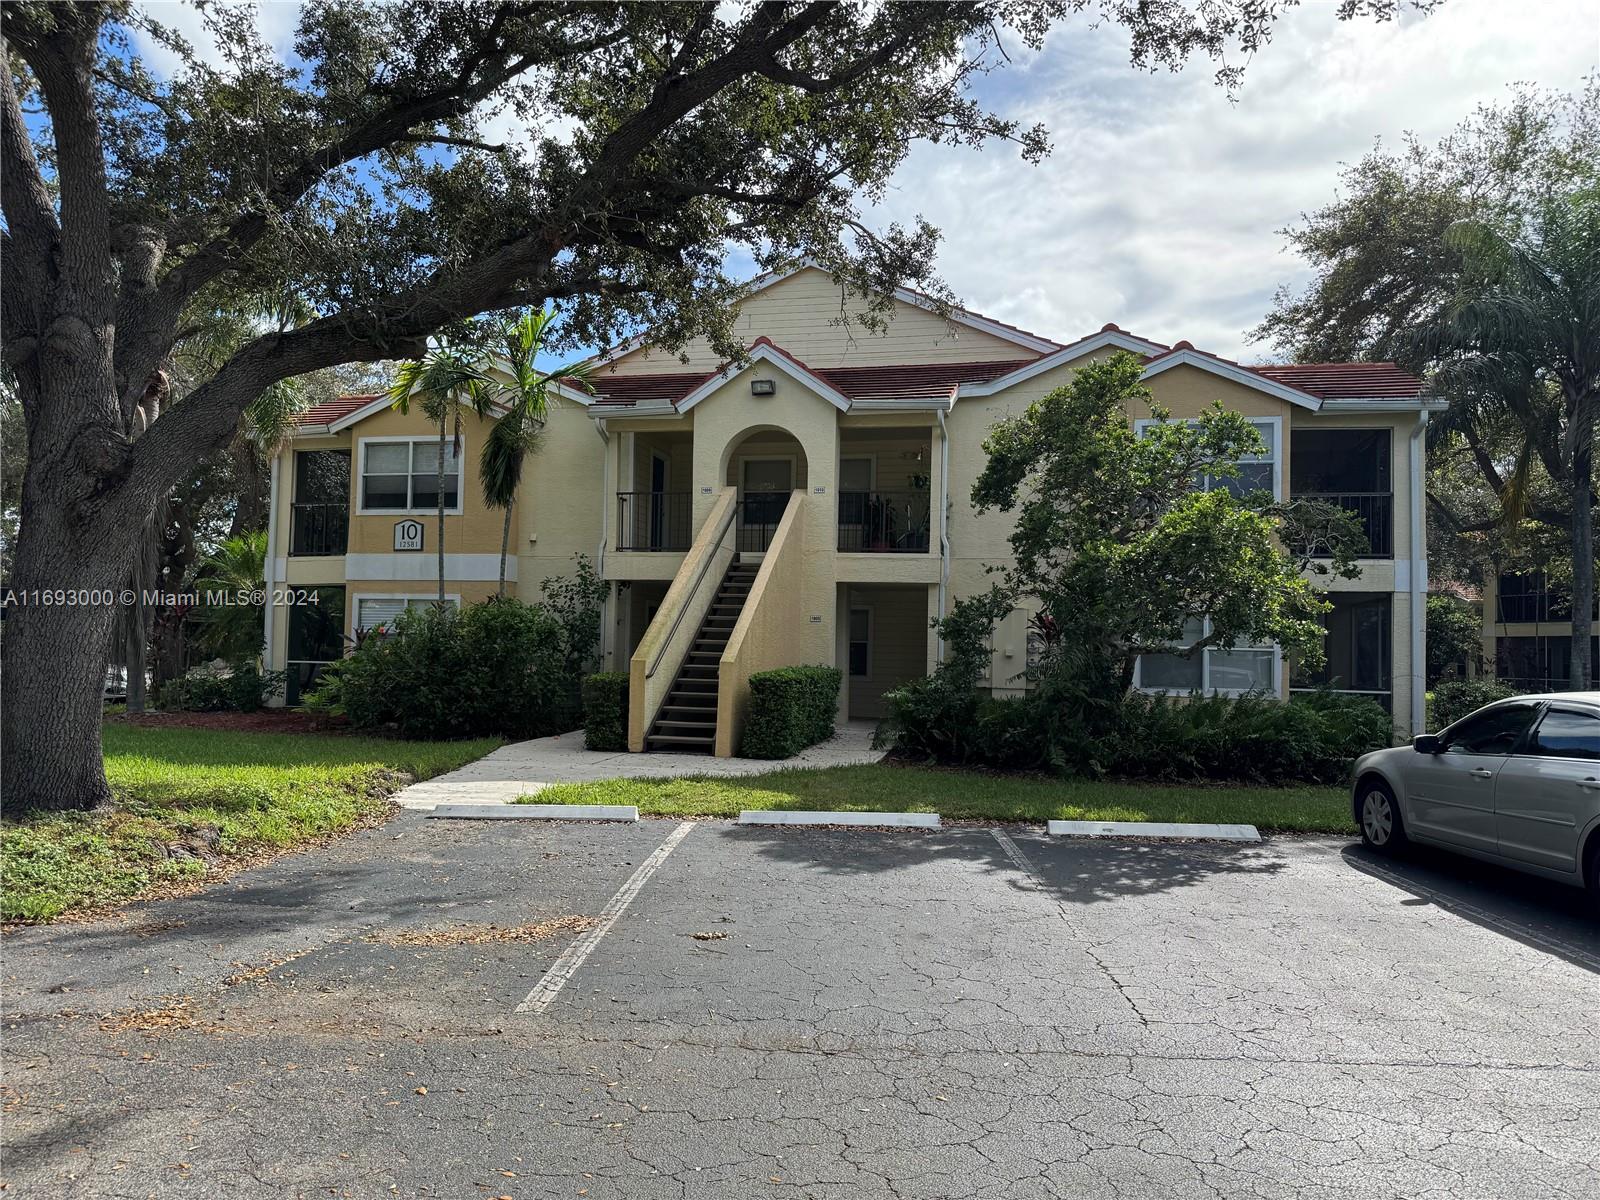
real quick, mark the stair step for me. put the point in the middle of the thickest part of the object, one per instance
(682, 739)
(708, 728)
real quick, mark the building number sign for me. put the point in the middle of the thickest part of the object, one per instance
(408, 535)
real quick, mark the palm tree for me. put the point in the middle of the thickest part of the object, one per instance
(526, 400)
(443, 381)
(1528, 319)
(237, 566)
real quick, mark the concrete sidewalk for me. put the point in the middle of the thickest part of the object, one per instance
(524, 768)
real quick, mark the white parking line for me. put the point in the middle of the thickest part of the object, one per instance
(563, 969)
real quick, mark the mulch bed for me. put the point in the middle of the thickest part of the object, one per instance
(268, 720)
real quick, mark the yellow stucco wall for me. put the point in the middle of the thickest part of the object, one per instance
(796, 314)
(772, 628)
(476, 530)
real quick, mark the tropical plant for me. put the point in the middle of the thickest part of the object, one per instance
(1525, 324)
(525, 405)
(1114, 543)
(237, 568)
(449, 377)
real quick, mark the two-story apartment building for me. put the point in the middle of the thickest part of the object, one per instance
(1527, 631)
(812, 506)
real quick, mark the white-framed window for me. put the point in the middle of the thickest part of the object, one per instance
(1257, 472)
(381, 612)
(1251, 668)
(860, 643)
(401, 475)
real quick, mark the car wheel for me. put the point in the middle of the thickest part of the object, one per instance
(1378, 815)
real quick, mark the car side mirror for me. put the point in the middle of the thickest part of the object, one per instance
(1427, 743)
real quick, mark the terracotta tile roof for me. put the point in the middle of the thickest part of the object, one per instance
(332, 410)
(628, 390)
(1346, 381)
(898, 381)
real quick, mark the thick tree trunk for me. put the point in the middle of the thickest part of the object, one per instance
(1583, 547)
(54, 670)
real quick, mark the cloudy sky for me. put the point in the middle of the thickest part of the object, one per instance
(1161, 204)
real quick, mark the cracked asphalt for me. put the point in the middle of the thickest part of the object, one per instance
(891, 1014)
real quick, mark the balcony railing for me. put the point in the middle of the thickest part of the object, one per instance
(319, 528)
(1376, 512)
(654, 521)
(884, 522)
(759, 514)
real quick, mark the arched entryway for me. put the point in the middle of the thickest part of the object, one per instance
(767, 465)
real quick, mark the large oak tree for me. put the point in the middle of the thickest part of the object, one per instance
(364, 180)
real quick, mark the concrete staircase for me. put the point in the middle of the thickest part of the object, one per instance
(687, 722)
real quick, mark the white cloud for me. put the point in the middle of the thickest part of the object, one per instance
(275, 19)
(1160, 207)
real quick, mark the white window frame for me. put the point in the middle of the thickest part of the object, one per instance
(1276, 458)
(850, 612)
(451, 598)
(1205, 671)
(412, 510)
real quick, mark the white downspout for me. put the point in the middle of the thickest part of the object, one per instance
(1418, 581)
(607, 617)
(944, 526)
(266, 567)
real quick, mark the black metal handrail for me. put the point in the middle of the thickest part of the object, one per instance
(654, 521)
(1376, 512)
(759, 514)
(319, 528)
(884, 522)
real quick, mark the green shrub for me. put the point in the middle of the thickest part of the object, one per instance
(790, 708)
(499, 667)
(1455, 698)
(1251, 738)
(240, 686)
(605, 711)
(326, 697)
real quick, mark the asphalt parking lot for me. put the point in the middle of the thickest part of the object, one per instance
(898, 1014)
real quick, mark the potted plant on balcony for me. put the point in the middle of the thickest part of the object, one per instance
(880, 523)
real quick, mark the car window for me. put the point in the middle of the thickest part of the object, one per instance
(1565, 733)
(1492, 732)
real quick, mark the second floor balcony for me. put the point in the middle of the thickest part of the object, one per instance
(1350, 469)
(318, 528)
(655, 521)
(875, 522)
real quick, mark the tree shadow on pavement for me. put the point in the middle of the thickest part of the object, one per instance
(1073, 871)
(1539, 913)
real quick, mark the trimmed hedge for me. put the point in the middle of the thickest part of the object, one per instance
(240, 686)
(605, 711)
(1311, 738)
(1456, 698)
(499, 667)
(790, 708)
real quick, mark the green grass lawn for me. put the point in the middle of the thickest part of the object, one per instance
(970, 795)
(260, 792)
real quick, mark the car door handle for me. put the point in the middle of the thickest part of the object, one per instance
(1481, 773)
(1589, 785)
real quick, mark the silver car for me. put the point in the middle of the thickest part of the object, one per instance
(1516, 783)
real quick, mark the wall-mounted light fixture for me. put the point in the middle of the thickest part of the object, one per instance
(763, 387)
